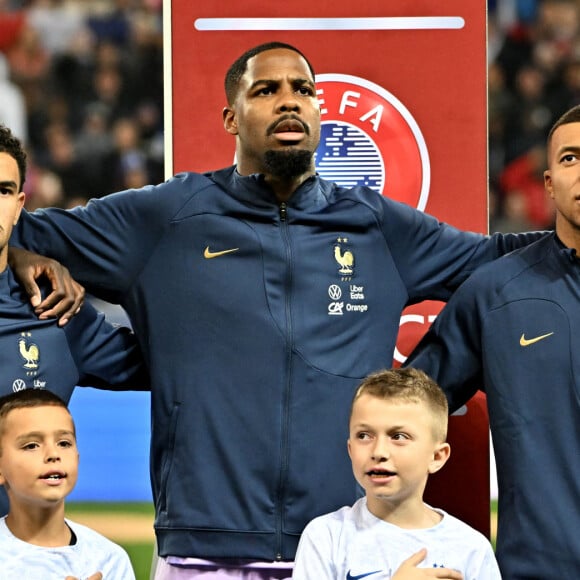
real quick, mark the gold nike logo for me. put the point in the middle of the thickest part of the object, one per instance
(527, 341)
(208, 255)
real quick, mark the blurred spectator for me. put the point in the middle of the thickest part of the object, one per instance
(146, 56)
(567, 94)
(529, 117)
(109, 91)
(509, 214)
(111, 22)
(12, 103)
(43, 189)
(29, 60)
(501, 102)
(94, 140)
(62, 160)
(524, 177)
(12, 22)
(509, 12)
(72, 74)
(127, 163)
(57, 23)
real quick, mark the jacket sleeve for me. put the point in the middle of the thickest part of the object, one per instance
(451, 350)
(434, 258)
(107, 356)
(104, 244)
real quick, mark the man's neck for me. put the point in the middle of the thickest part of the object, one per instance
(568, 235)
(283, 188)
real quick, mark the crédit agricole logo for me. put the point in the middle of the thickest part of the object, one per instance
(368, 137)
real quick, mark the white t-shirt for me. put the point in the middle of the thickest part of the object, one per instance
(92, 553)
(352, 543)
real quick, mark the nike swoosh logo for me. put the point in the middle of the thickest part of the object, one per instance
(527, 341)
(208, 255)
(349, 576)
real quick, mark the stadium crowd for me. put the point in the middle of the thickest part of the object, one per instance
(85, 80)
(81, 82)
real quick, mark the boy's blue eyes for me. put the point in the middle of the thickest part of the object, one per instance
(65, 443)
(394, 436)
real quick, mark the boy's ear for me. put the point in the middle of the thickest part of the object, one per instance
(440, 456)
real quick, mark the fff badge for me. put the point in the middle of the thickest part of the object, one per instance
(369, 137)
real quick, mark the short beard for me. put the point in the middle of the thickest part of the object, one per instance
(288, 164)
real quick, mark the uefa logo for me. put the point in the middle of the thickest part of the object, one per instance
(368, 137)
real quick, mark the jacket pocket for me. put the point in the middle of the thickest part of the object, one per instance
(168, 455)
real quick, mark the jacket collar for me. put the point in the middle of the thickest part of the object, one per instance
(565, 254)
(252, 189)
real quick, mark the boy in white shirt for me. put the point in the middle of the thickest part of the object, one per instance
(38, 468)
(397, 437)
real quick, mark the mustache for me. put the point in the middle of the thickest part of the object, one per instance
(289, 117)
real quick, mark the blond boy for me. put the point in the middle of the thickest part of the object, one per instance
(397, 438)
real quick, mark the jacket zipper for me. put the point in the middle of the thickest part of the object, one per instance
(283, 213)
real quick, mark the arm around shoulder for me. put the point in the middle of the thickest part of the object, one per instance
(507, 243)
(450, 352)
(105, 243)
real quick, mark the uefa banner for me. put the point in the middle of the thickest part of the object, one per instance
(402, 90)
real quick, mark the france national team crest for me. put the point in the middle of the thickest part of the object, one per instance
(368, 137)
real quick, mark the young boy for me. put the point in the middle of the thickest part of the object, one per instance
(38, 468)
(397, 433)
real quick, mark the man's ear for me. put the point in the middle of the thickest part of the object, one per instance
(548, 183)
(21, 200)
(230, 121)
(440, 456)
